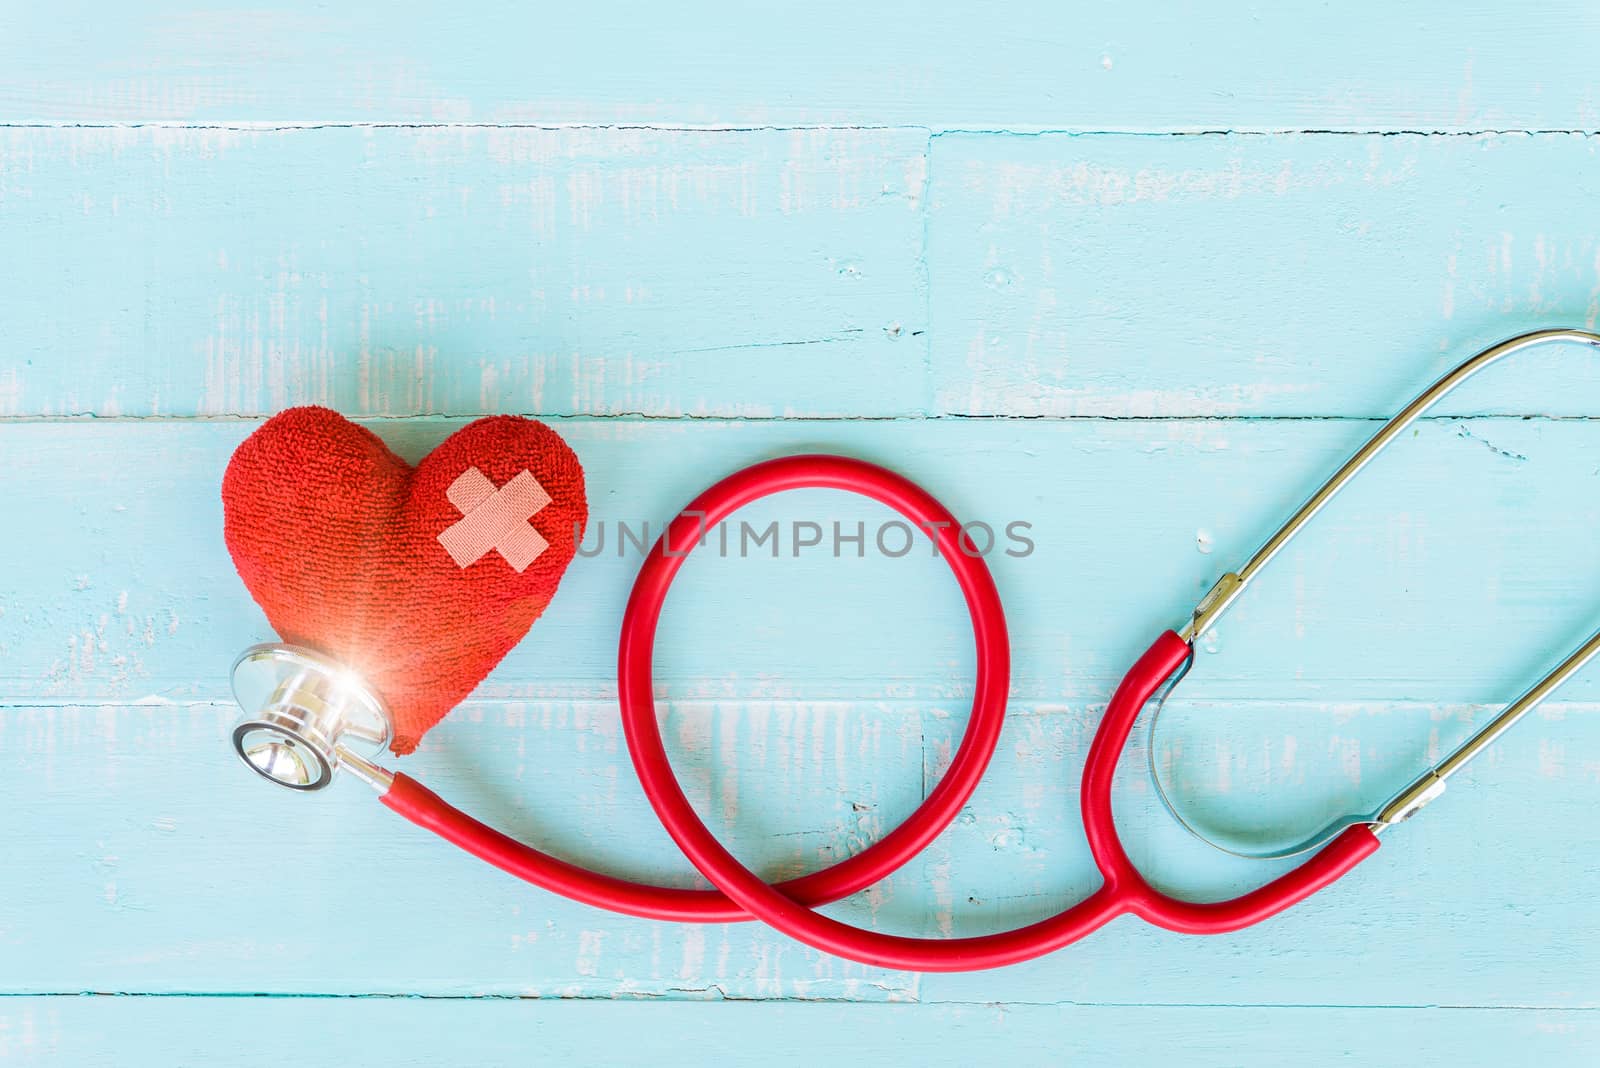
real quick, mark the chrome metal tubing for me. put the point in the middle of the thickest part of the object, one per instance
(1431, 784)
(1231, 585)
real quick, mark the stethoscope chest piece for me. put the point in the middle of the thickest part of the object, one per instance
(305, 716)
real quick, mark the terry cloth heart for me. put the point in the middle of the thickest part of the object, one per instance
(420, 579)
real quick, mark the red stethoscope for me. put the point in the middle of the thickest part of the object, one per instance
(339, 719)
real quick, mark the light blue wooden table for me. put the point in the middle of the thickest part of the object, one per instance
(1137, 277)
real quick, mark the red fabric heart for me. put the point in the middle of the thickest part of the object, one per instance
(338, 540)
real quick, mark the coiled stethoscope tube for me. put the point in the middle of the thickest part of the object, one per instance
(426, 809)
(313, 703)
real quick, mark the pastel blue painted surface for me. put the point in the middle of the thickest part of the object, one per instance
(1130, 520)
(1146, 347)
(98, 1032)
(1366, 65)
(1284, 276)
(135, 887)
(403, 271)
(460, 271)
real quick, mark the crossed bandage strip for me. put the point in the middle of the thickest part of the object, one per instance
(495, 520)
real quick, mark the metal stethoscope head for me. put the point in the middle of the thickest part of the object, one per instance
(1427, 787)
(306, 717)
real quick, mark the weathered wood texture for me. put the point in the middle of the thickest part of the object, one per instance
(1130, 520)
(694, 237)
(806, 730)
(1367, 65)
(132, 886)
(97, 1033)
(404, 271)
(765, 273)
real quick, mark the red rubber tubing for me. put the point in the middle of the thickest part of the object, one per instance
(788, 906)
(1123, 891)
(426, 809)
(1149, 672)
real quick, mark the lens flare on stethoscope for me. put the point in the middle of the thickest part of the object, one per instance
(306, 716)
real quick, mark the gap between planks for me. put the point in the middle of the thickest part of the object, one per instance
(692, 995)
(932, 132)
(926, 417)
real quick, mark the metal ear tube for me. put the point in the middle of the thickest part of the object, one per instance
(1430, 784)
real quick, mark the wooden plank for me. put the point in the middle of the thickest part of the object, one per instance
(768, 273)
(118, 631)
(398, 271)
(1469, 904)
(96, 1032)
(1454, 571)
(155, 864)
(145, 850)
(1279, 276)
(836, 213)
(1368, 65)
